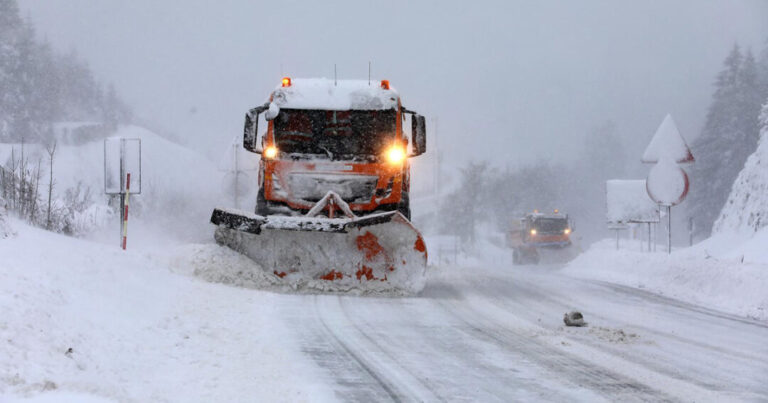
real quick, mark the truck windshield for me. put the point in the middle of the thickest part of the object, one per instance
(551, 224)
(334, 133)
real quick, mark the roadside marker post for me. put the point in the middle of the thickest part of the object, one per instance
(122, 176)
(125, 209)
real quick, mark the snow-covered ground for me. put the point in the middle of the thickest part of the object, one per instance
(88, 319)
(142, 326)
(177, 183)
(171, 318)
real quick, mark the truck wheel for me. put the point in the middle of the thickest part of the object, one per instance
(515, 257)
(261, 203)
(404, 207)
(535, 257)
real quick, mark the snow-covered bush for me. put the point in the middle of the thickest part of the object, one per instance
(5, 227)
(77, 213)
(93, 217)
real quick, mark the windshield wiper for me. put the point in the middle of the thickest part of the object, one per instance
(327, 151)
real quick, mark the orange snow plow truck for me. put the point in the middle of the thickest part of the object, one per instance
(332, 210)
(537, 234)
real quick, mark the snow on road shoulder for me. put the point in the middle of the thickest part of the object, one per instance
(87, 319)
(709, 274)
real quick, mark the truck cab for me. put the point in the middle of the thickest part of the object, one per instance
(344, 136)
(547, 230)
(536, 233)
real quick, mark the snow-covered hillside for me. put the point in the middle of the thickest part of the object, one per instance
(746, 210)
(179, 186)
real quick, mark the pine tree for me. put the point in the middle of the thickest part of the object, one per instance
(729, 136)
(762, 70)
(10, 30)
(462, 209)
(39, 87)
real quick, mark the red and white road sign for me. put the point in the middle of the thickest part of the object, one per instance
(667, 183)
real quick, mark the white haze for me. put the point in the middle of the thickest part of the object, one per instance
(506, 82)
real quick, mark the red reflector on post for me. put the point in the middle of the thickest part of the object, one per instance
(385, 84)
(286, 82)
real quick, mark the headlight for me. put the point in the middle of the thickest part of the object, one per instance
(533, 231)
(567, 231)
(270, 152)
(395, 155)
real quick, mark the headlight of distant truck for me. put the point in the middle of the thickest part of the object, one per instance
(533, 231)
(567, 231)
(395, 155)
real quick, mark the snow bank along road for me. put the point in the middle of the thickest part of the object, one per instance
(88, 319)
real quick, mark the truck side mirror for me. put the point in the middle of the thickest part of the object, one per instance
(419, 135)
(251, 127)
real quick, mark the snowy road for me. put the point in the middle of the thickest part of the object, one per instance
(481, 335)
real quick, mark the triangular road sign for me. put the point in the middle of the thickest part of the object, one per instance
(667, 143)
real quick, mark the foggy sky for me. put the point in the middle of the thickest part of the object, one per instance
(508, 81)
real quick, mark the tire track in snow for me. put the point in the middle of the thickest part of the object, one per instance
(720, 362)
(649, 363)
(423, 385)
(358, 360)
(558, 299)
(453, 367)
(578, 372)
(663, 300)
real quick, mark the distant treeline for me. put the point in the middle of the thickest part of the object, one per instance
(39, 86)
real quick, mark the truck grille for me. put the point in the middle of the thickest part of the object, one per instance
(313, 186)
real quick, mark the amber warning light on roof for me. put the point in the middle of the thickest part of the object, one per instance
(385, 84)
(286, 82)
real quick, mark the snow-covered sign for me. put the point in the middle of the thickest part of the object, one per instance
(667, 183)
(628, 202)
(667, 143)
(121, 157)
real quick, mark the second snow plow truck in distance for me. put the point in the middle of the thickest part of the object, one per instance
(537, 234)
(332, 210)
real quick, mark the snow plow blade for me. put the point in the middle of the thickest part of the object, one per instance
(381, 253)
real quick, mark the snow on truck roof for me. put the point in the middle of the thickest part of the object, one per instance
(343, 95)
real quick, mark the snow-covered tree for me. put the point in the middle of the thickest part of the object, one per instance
(5, 227)
(729, 136)
(461, 211)
(762, 69)
(39, 87)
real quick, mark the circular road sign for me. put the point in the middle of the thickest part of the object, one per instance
(667, 183)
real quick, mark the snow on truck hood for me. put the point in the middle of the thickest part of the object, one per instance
(321, 93)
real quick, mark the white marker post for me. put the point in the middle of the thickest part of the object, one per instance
(125, 209)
